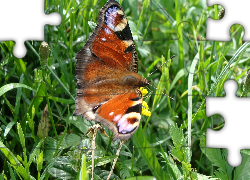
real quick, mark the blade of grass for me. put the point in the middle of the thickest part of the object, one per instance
(180, 35)
(14, 162)
(60, 82)
(190, 105)
(83, 172)
(22, 141)
(11, 86)
(148, 154)
(161, 86)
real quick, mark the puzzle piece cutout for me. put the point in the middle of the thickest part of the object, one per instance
(235, 133)
(235, 13)
(153, 123)
(27, 23)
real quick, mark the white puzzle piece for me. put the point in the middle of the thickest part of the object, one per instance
(235, 134)
(24, 20)
(236, 12)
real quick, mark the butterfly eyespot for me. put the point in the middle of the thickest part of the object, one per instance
(95, 108)
(132, 120)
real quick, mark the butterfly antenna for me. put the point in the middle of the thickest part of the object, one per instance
(160, 66)
(161, 92)
(117, 153)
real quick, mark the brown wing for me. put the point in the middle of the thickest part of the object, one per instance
(112, 40)
(106, 72)
(122, 114)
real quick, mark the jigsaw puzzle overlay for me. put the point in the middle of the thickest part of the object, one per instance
(37, 101)
(26, 21)
(235, 133)
(236, 12)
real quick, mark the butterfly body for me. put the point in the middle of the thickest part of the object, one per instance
(106, 71)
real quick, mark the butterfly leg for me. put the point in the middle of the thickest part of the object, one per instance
(117, 153)
(92, 138)
(93, 130)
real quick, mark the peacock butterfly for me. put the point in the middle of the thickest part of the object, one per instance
(106, 72)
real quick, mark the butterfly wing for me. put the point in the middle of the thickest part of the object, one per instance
(112, 40)
(122, 114)
(106, 72)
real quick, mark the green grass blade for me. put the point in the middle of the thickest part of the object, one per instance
(148, 154)
(18, 98)
(14, 162)
(64, 87)
(180, 34)
(35, 152)
(22, 139)
(11, 86)
(190, 105)
(11, 172)
(176, 78)
(83, 172)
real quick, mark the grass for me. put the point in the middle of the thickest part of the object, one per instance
(41, 139)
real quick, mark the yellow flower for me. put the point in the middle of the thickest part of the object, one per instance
(145, 108)
(143, 91)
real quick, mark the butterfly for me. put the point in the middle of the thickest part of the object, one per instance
(108, 86)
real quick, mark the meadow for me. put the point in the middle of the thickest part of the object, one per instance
(41, 139)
